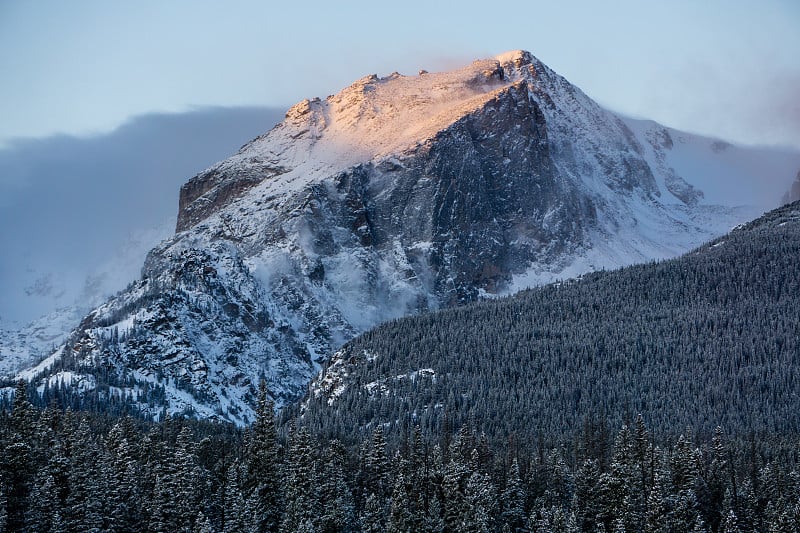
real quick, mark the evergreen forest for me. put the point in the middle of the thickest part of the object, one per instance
(79, 471)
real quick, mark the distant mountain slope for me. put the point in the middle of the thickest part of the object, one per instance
(79, 215)
(398, 195)
(712, 337)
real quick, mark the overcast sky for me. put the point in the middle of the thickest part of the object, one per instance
(728, 68)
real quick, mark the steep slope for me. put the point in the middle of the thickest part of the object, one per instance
(710, 338)
(398, 195)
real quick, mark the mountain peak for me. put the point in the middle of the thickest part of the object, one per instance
(518, 58)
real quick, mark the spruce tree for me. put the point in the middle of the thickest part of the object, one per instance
(373, 516)
(302, 503)
(262, 485)
(513, 499)
(338, 512)
(235, 517)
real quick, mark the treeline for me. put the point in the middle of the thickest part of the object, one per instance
(70, 471)
(710, 338)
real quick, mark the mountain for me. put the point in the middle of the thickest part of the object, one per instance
(710, 338)
(60, 256)
(398, 195)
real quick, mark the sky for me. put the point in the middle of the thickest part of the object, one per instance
(726, 68)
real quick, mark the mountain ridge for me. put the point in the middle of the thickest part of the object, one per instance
(335, 221)
(695, 341)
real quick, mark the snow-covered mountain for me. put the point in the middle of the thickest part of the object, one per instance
(398, 195)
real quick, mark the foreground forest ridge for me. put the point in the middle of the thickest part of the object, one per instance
(83, 472)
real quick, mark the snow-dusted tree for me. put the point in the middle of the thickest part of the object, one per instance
(84, 504)
(45, 507)
(262, 484)
(121, 470)
(454, 482)
(729, 524)
(373, 516)
(401, 510)
(235, 518)
(656, 517)
(376, 466)
(513, 499)
(338, 512)
(202, 524)
(302, 502)
(587, 494)
(481, 501)
(188, 480)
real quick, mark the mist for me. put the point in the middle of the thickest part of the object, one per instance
(78, 214)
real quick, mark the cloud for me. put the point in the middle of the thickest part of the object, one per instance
(70, 204)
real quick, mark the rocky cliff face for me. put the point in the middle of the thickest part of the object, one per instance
(397, 195)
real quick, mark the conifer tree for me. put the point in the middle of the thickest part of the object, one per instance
(262, 485)
(656, 517)
(376, 466)
(338, 513)
(235, 517)
(124, 498)
(434, 523)
(401, 510)
(373, 516)
(18, 459)
(454, 481)
(45, 507)
(302, 504)
(513, 499)
(730, 525)
(480, 504)
(188, 482)
(587, 494)
(84, 505)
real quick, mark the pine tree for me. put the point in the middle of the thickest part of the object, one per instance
(338, 513)
(587, 494)
(18, 459)
(717, 480)
(730, 525)
(3, 512)
(202, 524)
(262, 485)
(188, 483)
(373, 517)
(45, 508)
(84, 505)
(376, 466)
(481, 501)
(513, 499)
(301, 483)
(656, 517)
(454, 482)
(434, 523)
(124, 499)
(401, 511)
(235, 516)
